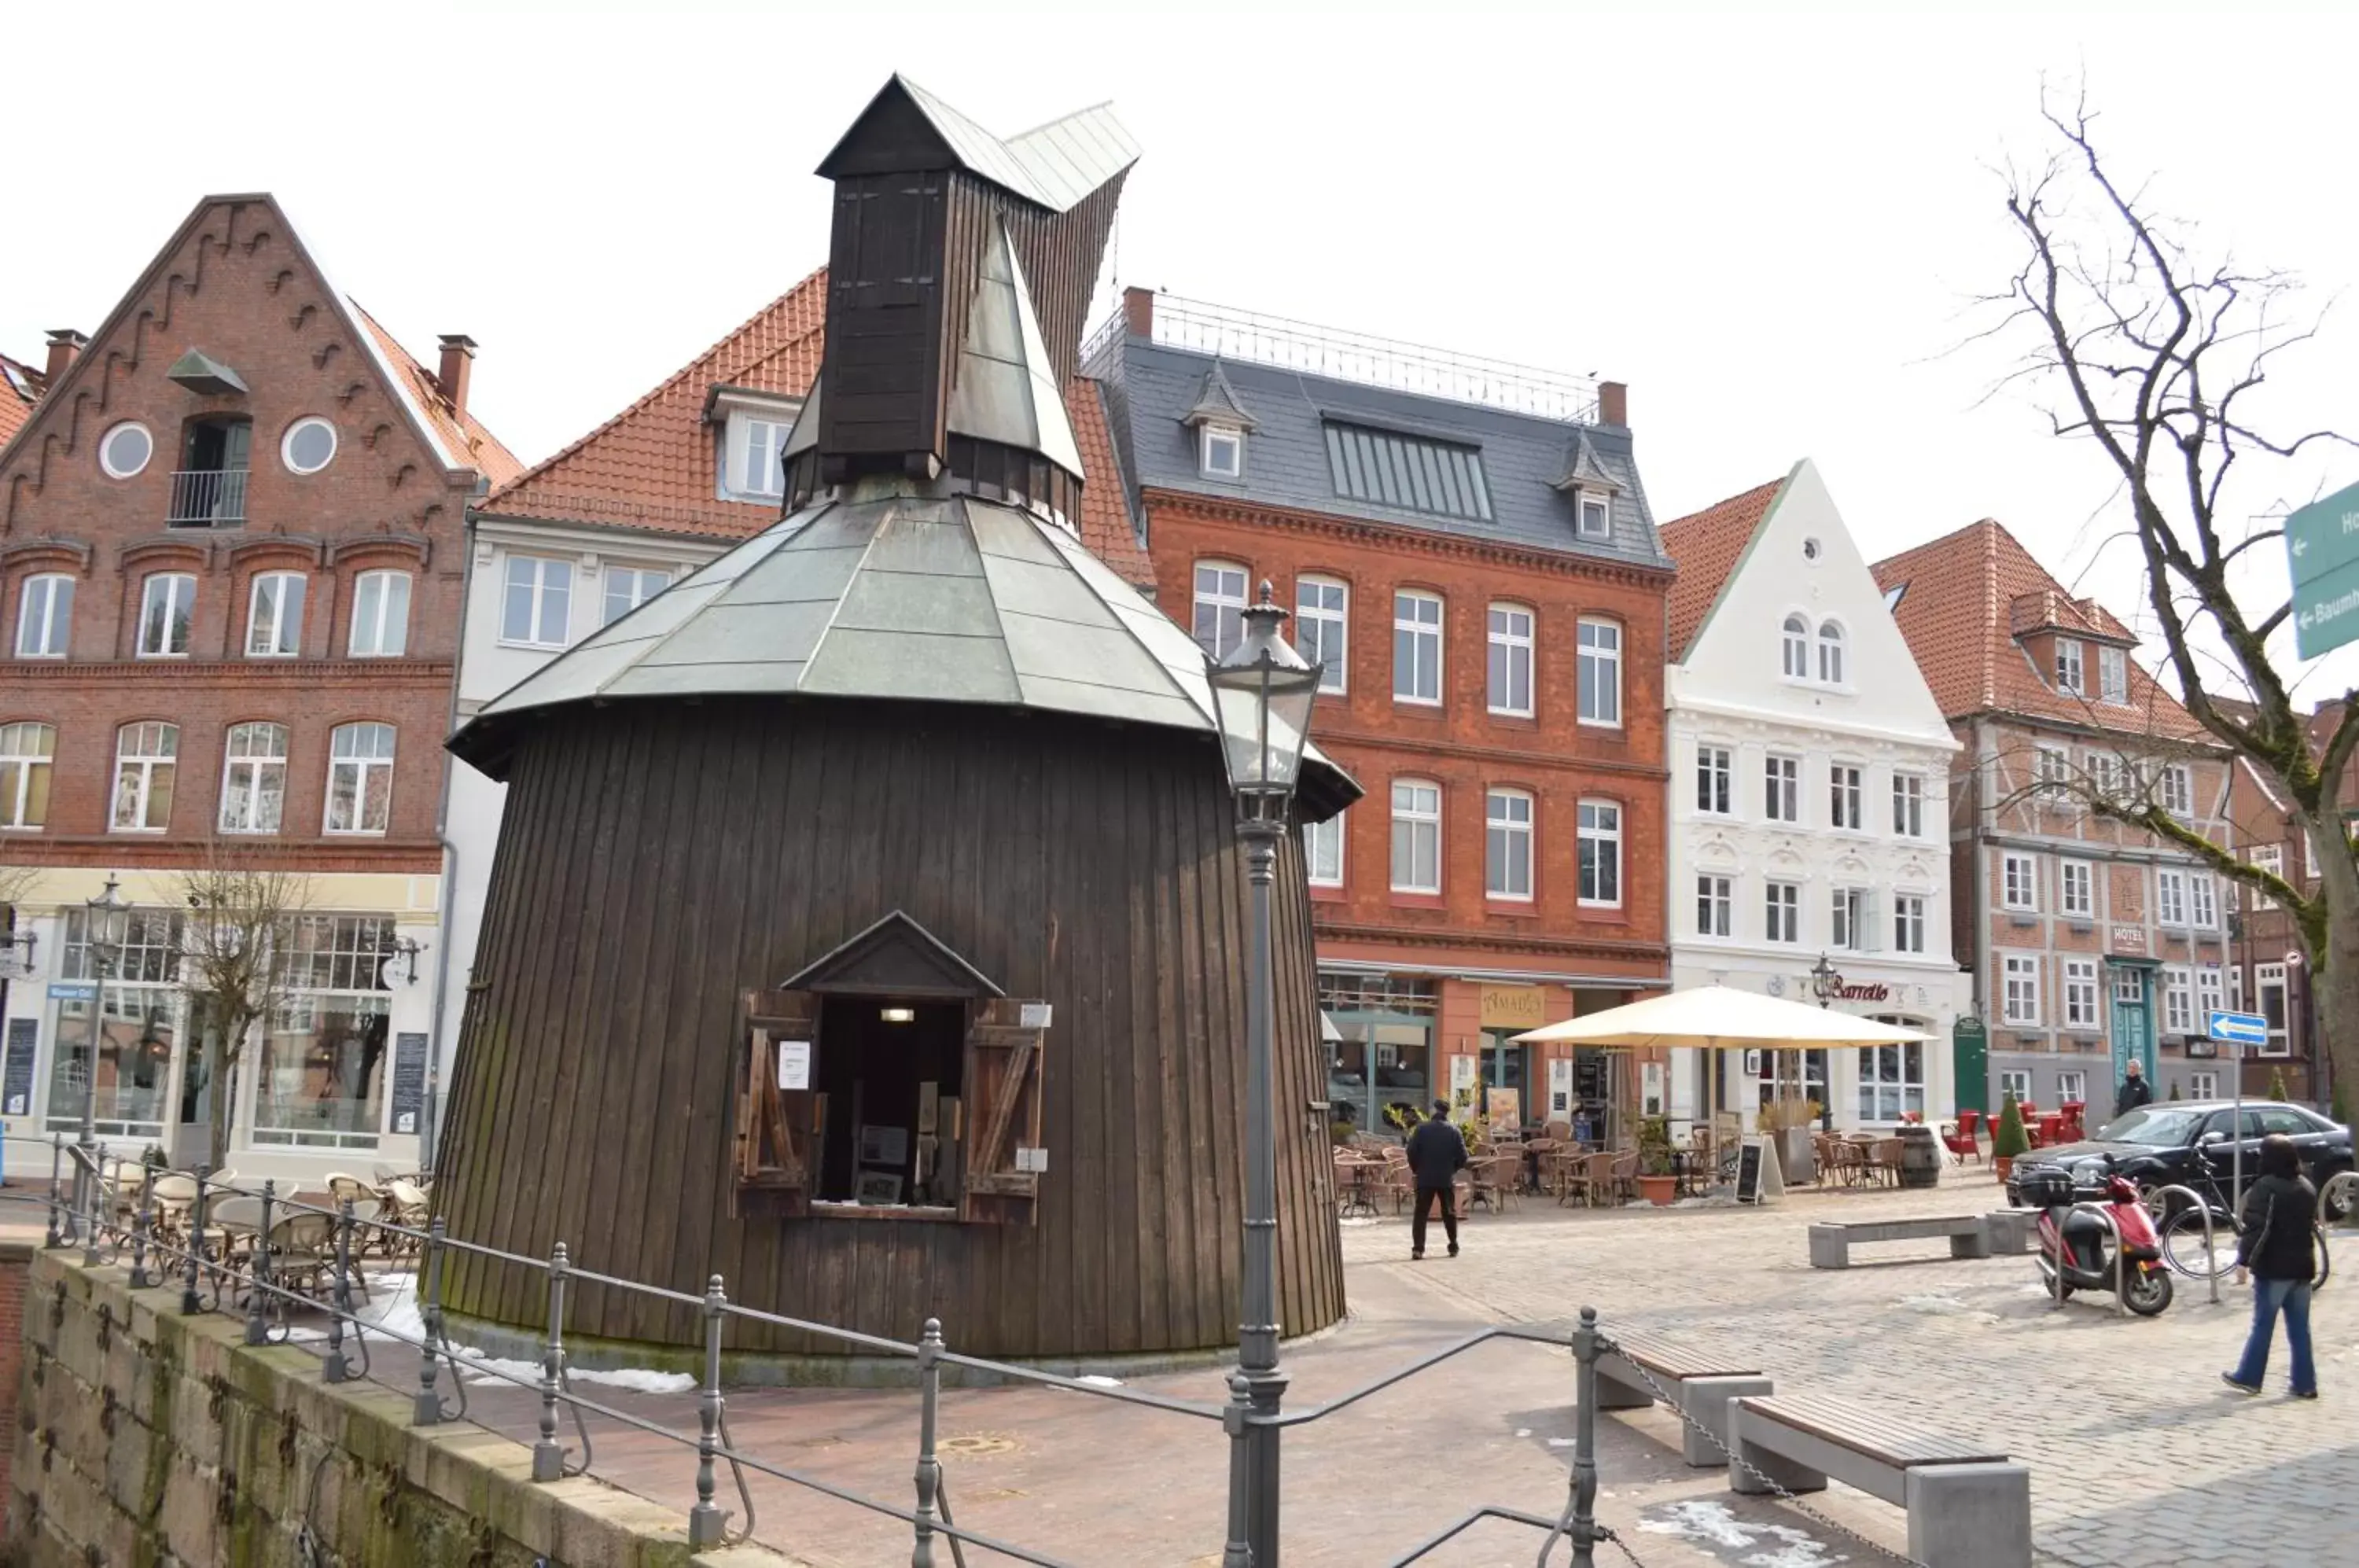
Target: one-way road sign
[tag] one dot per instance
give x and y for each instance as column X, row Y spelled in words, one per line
column 2240, row 1029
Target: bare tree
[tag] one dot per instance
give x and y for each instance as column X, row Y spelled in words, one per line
column 2156, row 353
column 238, row 953
column 15, row 881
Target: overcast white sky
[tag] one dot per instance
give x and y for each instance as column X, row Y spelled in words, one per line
column 1770, row 227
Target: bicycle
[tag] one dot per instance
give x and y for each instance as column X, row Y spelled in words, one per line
column 2182, row 1233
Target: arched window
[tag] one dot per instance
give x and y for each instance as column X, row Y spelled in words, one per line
column 1416, row 836
column 360, row 779
column 45, row 616
column 253, row 778
column 380, row 615
column 146, row 755
column 1507, row 843
column 25, row 752
column 1797, row 649
column 1830, row 653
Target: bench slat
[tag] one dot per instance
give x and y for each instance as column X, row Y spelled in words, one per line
column 1869, row 1434
column 1666, row 1360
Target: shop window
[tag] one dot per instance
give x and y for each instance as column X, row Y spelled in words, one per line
column 319, row 1078
column 130, row 1070
column 1891, row 1082
column 1379, row 1074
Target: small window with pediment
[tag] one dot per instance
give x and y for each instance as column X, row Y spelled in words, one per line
column 1221, row 451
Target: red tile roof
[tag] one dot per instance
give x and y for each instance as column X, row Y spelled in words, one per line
column 1105, row 519
column 1957, row 609
column 468, row 442
column 20, row 388
column 1706, row 546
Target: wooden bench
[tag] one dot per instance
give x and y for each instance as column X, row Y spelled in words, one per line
column 1968, row 1506
column 1700, row 1385
column 1830, row 1243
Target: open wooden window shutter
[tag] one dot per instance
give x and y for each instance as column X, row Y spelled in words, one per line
column 776, row 1147
column 1002, row 1091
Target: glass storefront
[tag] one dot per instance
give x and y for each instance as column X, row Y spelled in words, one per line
column 1385, row 1057
column 320, row 1080
column 130, row 1073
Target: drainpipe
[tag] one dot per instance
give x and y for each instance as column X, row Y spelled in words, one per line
column 429, row 1115
column 1985, row 992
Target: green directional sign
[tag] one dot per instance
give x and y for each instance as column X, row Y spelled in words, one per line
column 2326, row 611
column 2323, row 536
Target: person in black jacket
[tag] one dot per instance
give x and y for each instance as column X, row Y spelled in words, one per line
column 1436, row 1155
column 2135, row 1090
column 2273, row 1241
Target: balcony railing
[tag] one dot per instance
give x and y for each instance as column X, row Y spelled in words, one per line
column 208, row 498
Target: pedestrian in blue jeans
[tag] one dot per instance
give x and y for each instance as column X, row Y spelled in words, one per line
column 2273, row 1242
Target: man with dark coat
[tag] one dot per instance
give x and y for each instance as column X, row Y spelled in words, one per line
column 2135, row 1090
column 1436, row 1155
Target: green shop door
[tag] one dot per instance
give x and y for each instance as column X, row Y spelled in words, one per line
column 1970, row 1057
column 2132, row 1017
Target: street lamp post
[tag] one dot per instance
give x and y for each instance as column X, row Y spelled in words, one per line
column 102, row 940
column 1263, row 691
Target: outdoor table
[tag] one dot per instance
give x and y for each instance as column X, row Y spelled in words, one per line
column 1688, row 1167
column 1359, row 1178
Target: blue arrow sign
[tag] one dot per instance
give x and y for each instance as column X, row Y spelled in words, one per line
column 2240, row 1029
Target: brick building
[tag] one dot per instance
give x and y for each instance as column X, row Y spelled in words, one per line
column 1474, row 560
column 231, row 566
column 20, row 388
column 2090, row 942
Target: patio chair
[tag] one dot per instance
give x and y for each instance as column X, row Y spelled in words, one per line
column 1959, row 1144
column 1884, row 1160
column 1626, row 1174
column 1571, row 1177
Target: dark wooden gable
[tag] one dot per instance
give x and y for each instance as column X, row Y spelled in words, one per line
column 892, row 135
column 895, row 957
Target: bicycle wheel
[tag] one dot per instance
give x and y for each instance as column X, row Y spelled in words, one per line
column 2325, row 1259
column 2183, row 1247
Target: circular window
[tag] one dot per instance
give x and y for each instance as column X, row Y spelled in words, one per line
column 125, row 449
column 308, row 446
column 1809, row 550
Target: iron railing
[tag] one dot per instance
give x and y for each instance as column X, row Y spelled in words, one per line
column 207, row 497
column 87, row 1208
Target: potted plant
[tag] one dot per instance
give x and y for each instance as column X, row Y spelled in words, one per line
column 2010, row 1140
column 1655, row 1183
column 1790, row 1120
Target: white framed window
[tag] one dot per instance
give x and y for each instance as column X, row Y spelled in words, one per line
column 2073, row 1087
column 2076, row 889
column 2268, row 857
column 1416, row 836
column 28, row 750
column 2129, row 988
column 2170, row 896
column 1715, row 781
column 1322, row 852
column 309, row 445
column 2208, row 992
column 45, row 616
column 1321, row 623
column 360, row 779
column 253, row 778
column 2020, row 988
column 1794, row 645
column 2177, row 1000
column 2051, row 769
column 1891, row 1082
column 756, row 457
column 2110, row 776
column 1830, row 653
column 2071, row 668
column 1220, row 606
column 1596, row 517
column 2014, row 1084
column 2202, row 900
column 274, row 616
column 2203, row 1084
column 168, row 602
column 1909, row 923
column 380, row 615
column 1854, row 919
column 125, row 448
column 1843, row 791
column 1714, row 906
column 628, row 587
column 1782, row 907
column 146, row 755
column 1781, row 798
column 2114, row 676
column 1417, row 646
column 2081, row 993
column 1600, row 853
column 2177, row 789
column 2018, row 882
column 1508, row 844
column 1909, row 805
column 1221, row 451
column 2269, row 994
column 1511, row 659
column 538, row 611
column 1601, row 671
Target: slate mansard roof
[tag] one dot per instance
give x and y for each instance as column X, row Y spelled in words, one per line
column 1152, row 388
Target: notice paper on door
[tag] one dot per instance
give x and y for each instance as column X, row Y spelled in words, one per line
column 794, row 1064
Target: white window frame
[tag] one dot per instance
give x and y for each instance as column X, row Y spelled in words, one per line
column 1211, row 437
column 262, row 773
column 105, row 442
column 1716, row 780
column 1507, row 839
column 1218, row 593
column 1846, row 797
column 1715, row 905
column 2177, row 790
column 166, row 599
column 287, row 445
column 1834, row 650
column 2020, row 989
column 1600, row 824
column 1908, row 804
column 268, row 612
column 1582, row 503
column 2268, row 857
column 1508, row 643
column 2051, row 768
column 1421, row 639
column 2071, row 666
column 1781, row 787
column 2018, row 881
column 2209, row 990
column 2114, row 676
column 1794, row 647
column 136, row 767
column 739, row 482
column 44, row 624
column 2202, row 901
column 2109, row 775
column 20, row 760
column 2078, row 901
column 2169, row 896
column 2203, row 1084
column 2082, row 995
column 1781, row 911
column 1323, row 851
column 1598, row 671
column 1909, row 923
column 1891, row 1100
column 2265, row 977
column 1852, row 919
column 364, row 769
column 1331, row 650
column 377, row 624
column 1417, row 825
column 2014, row 1081
column 2178, row 999
column 545, row 578
column 2072, row 1086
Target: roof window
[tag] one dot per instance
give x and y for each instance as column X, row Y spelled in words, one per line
column 1409, row 472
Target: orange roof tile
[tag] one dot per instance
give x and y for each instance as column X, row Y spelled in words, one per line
column 20, row 388
column 469, row 442
column 1706, row 546
column 1105, row 516
column 1957, row 608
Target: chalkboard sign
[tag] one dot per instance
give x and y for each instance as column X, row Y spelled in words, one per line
column 1759, row 1178
column 408, row 1082
column 17, row 1075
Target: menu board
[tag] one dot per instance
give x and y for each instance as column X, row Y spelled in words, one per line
column 408, row 1082
column 16, row 1071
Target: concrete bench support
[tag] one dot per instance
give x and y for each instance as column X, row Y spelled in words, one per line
column 1705, row 1403
column 2010, row 1230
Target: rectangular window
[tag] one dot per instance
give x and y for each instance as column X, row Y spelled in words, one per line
column 2052, row 768
column 2170, row 897
column 1511, row 659
column 756, row 457
column 44, row 616
column 1321, row 614
column 1713, row 901
column 2073, row 1087
column 2203, row 1084
column 320, row 1079
column 2208, row 994
column 167, row 602
column 27, row 752
column 2179, row 789
column 1909, row 923
column 628, row 587
column 1601, row 852
column 145, row 760
column 1416, row 836
column 1219, row 607
column 2018, row 882
column 1908, row 804
column 2109, row 776
column 539, row 604
column 1891, row 1083
column 2070, row 669
column 1715, row 771
column 2202, row 900
column 1596, row 517
column 2129, row 988
column 2268, row 857
column 2076, row 889
column 1221, row 453
column 360, row 779
column 2019, row 999
column 2081, row 993
column 2269, row 1001
column 1417, row 646
column 1601, row 672
column 2015, row 1083
column 1782, row 788
column 1408, row 471
column 1508, row 844
column 2113, row 676
column 274, row 619
column 1844, row 796
column 253, row 778
column 1783, row 906
column 381, row 615
column 1854, row 921
column 1322, row 852
column 2178, row 1001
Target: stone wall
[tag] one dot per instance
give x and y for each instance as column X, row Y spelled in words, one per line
column 150, row 1440
column 16, row 1264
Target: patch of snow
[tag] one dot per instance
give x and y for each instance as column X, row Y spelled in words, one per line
column 1361, row 1220
column 1561, row 1442
column 1099, row 1380
column 1523, row 1432
column 644, row 1379
column 392, row 1305
column 1942, row 1307
column 1780, row 1546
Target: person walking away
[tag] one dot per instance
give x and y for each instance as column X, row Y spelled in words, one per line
column 2273, row 1241
column 1436, row 1155
column 2135, row 1090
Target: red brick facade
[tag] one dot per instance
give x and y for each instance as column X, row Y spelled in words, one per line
column 16, row 1272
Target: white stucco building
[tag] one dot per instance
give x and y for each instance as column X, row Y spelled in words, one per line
column 1809, row 809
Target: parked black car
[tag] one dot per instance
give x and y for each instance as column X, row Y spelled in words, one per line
column 2178, row 1141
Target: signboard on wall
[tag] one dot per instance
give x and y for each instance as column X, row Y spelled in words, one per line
column 1462, row 1075
column 1505, row 1107
column 2130, row 940
column 408, row 1082
column 1514, row 1006
column 17, row 1068
column 1561, row 1089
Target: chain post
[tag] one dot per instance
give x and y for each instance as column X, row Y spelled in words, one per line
column 139, row 1223
column 1238, row 1551
column 191, row 1267
column 929, row 1469
column 426, row 1409
column 548, row 1458
column 708, row 1524
column 258, row 1323
column 1583, row 1534
column 337, row 1369
column 87, row 1160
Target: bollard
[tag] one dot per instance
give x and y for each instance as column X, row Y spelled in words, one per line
column 1238, row 1551
column 190, row 1303
column 929, row 1468
column 426, row 1410
column 1587, row 1343
column 258, row 1323
column 336, row 1370
column 548, row 1459
column 57, row 1236
column 707, row 1524
column 140, row 1220
column 87, row 1160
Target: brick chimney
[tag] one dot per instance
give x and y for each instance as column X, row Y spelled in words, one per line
column 458, row 361
column 1612, row 403
column 65, row 346
column 1138, row 312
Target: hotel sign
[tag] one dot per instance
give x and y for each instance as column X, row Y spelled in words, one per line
column 2130, row 940
column 1514, row 1006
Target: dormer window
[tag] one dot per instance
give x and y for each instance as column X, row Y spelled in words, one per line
column 1596, row 517
column 1221, row 451
column 753, row 431
column 2113, row 675
column 2071, row 666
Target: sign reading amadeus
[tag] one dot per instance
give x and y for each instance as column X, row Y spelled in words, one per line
column 2322, row 553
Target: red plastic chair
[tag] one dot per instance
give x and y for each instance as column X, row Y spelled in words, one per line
column 2051, row 1127
column 1962, row 1142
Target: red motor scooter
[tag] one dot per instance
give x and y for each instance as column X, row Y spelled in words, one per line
column 2082, row 1243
